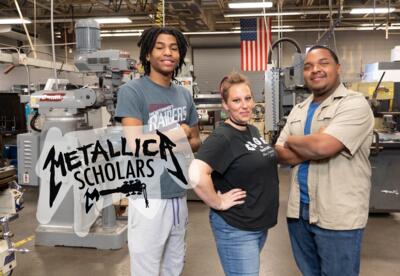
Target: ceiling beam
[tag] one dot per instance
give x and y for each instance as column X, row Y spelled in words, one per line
column 45, row 6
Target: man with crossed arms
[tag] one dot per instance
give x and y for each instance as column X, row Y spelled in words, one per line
column 327, row 140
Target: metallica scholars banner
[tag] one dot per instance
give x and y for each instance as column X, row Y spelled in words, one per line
column 101, row 166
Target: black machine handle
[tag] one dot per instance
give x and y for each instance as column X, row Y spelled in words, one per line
column 375, row 147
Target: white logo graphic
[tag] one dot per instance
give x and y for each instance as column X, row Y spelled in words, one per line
column 105, row 165
column 260, row 145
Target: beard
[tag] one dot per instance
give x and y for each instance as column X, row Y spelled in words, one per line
column 323, row 89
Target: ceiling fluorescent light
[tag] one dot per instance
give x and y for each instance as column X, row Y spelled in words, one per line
column 371, row 10
column 378, row 28
column 262, row 14
column 282, row 27
column 120, row 34
column 113, row 20
column 250, row 5
column 236, row 32
column 14, row 21
column 370, row 25
column 212, row 33
column 376, row 25
column 121, row 31
column 273, row 27
column 282, row 30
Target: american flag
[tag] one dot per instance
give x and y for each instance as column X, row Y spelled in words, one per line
column 255, row 42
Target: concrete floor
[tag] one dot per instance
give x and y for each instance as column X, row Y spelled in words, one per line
column 380, row 251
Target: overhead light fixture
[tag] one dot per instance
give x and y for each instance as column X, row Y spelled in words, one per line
column 282, row 30
column 185, row 33
column 250, row 5
column 232, row 32
column 121, row 31
column 371, row 10
column 5, row 21
column 120, row 34
column 212, row 33
column 113, row 20
column 262, row 14
column 282, row 27
column 378, row 28
column 369, row 25
column 273, row 27
column 312, row 12
column 381, row 24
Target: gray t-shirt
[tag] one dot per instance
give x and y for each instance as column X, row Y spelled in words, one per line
column 157, row 107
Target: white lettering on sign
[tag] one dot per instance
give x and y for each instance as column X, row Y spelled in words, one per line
column 52, row 97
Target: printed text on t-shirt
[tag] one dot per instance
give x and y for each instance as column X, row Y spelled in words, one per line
column 259, row 144
column 166, row 116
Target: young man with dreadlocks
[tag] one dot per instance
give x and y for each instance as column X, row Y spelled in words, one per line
column 157, row 244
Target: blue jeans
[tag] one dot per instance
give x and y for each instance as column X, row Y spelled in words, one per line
column 320, row 251
column 238, row 250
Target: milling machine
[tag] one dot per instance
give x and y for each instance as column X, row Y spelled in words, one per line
column 382, row 87
column 68, row 110
column 284, row 88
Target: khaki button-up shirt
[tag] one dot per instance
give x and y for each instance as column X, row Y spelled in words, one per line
column 339, row 186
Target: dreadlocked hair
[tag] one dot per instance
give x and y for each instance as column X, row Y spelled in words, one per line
column 147, row 42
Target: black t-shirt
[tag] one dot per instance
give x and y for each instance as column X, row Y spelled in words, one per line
column 242, row 159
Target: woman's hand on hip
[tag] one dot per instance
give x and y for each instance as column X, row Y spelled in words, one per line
column 231, row 198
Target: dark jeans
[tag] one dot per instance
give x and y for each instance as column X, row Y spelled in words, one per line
column 238, row 250
column 320, row 251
